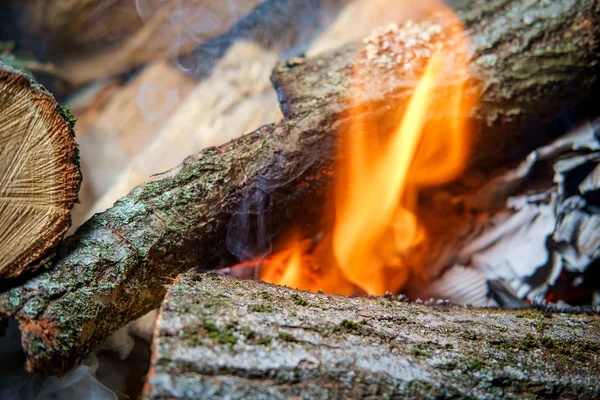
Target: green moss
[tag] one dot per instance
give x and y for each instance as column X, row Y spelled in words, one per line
column 223, row 336
column 299, row 301
column 528, row 343
column 549, row 343
column 350, row 326
column 541, row 326
column 264, row 340
column 502, row 344
column 261, row 308
column 265, row 295
column 69, row 117
column 449, row 366
column 248, row 333
column 526, row 314
column 473, row 365
column 418, row 352
column 591, row 346
column 287, row 337
column 194, row 340
column 502, row 329
column 385, row 304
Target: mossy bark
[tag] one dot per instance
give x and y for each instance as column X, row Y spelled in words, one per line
column 529, row 60
column 115, row 267
column 221, row 337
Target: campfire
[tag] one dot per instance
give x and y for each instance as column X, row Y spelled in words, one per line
column 405, row 207
column 377, row 241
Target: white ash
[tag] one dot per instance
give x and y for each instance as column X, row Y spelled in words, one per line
column 406, row 46
column 537, row 234
column 472, row 288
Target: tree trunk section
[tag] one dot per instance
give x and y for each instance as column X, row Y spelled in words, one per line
column 227, row 202
column 39, row 171
column 221, row 337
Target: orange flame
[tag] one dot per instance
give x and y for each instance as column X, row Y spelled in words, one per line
column 377, row 241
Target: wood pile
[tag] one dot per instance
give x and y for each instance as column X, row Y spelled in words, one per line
column 259, row 138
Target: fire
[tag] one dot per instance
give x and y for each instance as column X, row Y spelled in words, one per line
column 378, row 242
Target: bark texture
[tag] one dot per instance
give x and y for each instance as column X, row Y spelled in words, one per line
column 39, row 171
column 221, row 337
column 228, row 202
column 523, row 54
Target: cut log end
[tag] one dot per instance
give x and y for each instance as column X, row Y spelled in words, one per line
column 39, row 170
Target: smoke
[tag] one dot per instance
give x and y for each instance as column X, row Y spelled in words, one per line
column 105, row 375
column 17, row 383
column 247, row 233
column 156, row 102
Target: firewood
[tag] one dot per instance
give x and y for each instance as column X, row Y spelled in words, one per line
column 220, row 337
column 39, row 170
column 237, row 95
column 233, row 91
column 113, row 269
column 93, row 39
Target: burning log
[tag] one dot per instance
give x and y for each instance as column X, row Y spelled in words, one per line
column 217, row 336
column 113, row 269
column 39, row 170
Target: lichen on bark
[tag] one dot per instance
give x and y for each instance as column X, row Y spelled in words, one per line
column 213, row 338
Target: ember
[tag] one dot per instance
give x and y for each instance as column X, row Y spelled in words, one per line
column 377, row 241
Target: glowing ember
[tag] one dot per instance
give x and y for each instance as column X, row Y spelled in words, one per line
column 377, row 242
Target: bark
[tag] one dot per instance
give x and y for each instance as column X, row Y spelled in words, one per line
column 522, row 54
column 237, row 95
column 39, row 170
column 221, row 337
column 195, row 216
column 233, row 90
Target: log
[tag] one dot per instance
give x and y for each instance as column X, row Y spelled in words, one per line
column 237, row 95
column 512, row 47
column 233, row 90
column 39, row 171
column 112, row 270
column 92, row 39
column 221, row 337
